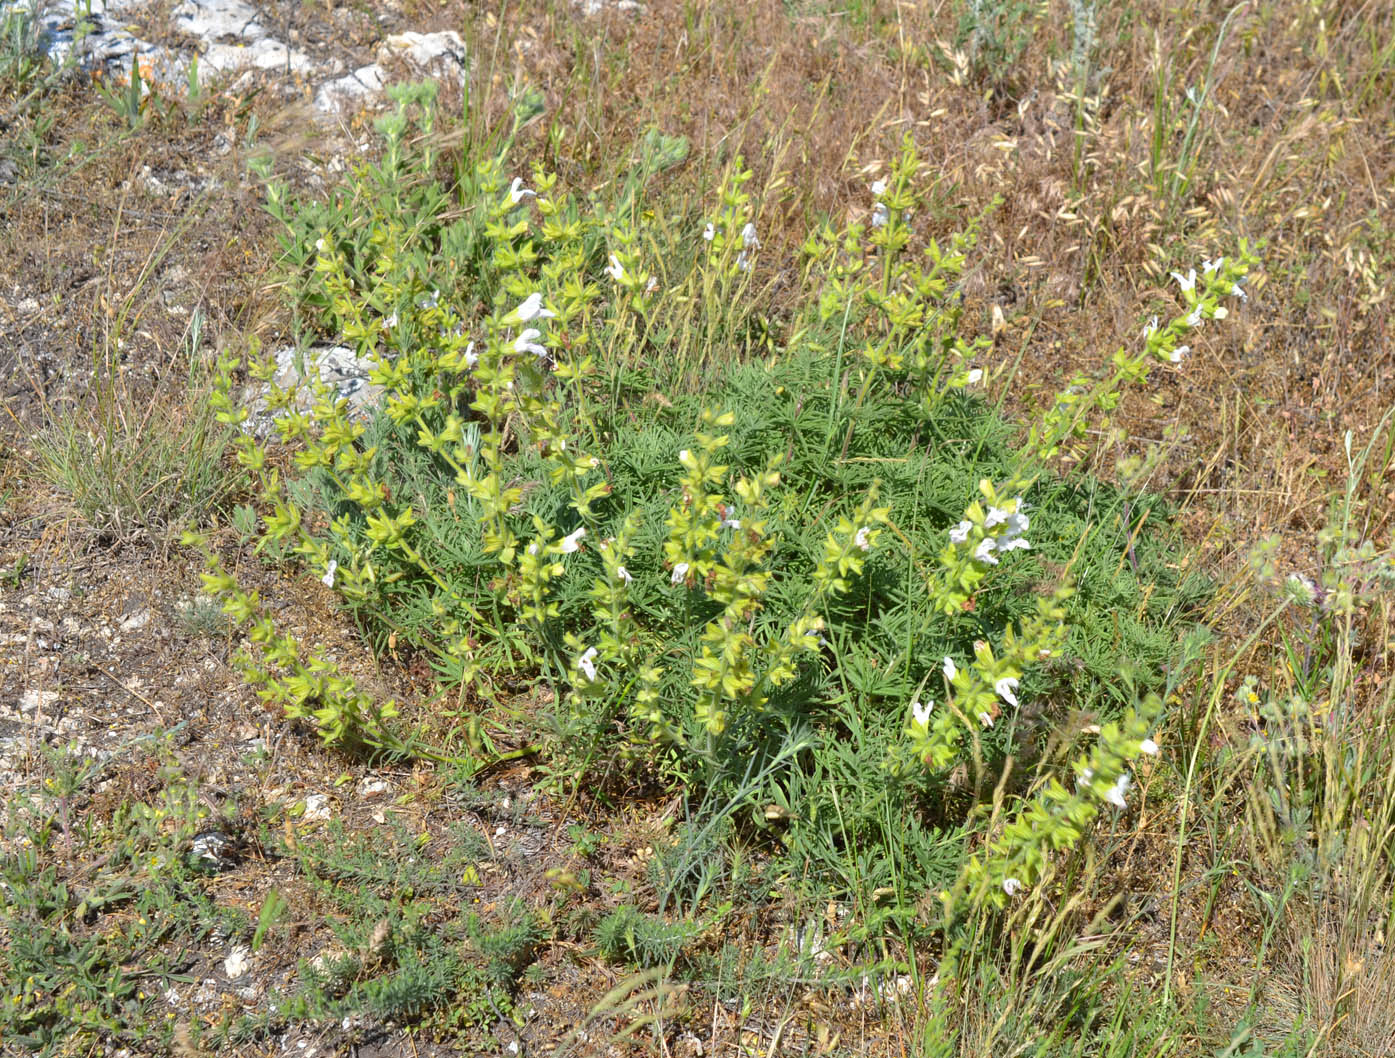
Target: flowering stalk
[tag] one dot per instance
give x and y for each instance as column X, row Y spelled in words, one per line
column 977, row 691
column 726, row 555
column 1066, row 420
column 896, row 308
column 977, row 544
column 1056, row 819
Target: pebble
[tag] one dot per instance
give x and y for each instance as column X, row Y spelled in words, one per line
column 373, row 787
column 34, row 700
column 238, row 962
column 316, row 808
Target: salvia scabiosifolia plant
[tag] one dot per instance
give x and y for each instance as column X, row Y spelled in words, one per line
column 600, row 465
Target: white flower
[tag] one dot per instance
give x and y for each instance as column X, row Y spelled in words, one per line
column 984, row 551
column 1011, row 886
column 861, row 539
column 878, row 187
column 320, row 244
column 986, row 719
column 391, row 321
column 880, row 215
column 1115, row 794
column 731, row 523
column 960, row 533
column 709, row 233
column 996, row 516
column 532, row 309
column 1007, row 688
column 572, row 542
column 328, row 578
column 429, row 301
column 1085, row 778
column 684, row 456
column 527, row 342
column 651, row 285
column 975, row 375
column 743, row 263
column 951, row 669
column 748, row 237
column 1149, row 747
column 615, row 269
column 1011, row 539
column 517, row 192
column 1151, row 329
column 532, row 549
column 920, row 712
column 1194, row 318
column 1239, row 291
column 1207, row 267
column 679, row 572
column 1186, row 282
column 1176, row 355
column 624, row 574
column 586, row 663
column 471, row 357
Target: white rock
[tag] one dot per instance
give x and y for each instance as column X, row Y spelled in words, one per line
column 316, row 807
column 373, row 787
column 263, row 54
column 351, row 91
column 31, row 701
column 214, row 19
column 238, row 962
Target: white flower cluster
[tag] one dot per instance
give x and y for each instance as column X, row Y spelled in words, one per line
column 1198, row 313
column 1009, row 522
column 1115, row 794
column 750, row 243
column 528, row 339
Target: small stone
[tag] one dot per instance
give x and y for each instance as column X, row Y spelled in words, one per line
column 351, row 91
column 238, row 962
column 31, row 701
column 316, row 808
column 136, row 621
column 373, row 787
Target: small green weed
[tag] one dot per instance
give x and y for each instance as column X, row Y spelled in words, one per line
column 87, row 954
column 410, row 942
